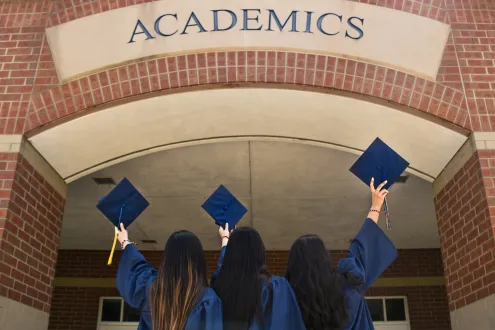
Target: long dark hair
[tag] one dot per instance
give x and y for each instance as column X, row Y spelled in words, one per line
column 180, row 280
column 318, row 287
column 241, row 279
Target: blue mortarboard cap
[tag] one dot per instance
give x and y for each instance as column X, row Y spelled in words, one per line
column 123, row 204
column 224, row 208
column 381, row 162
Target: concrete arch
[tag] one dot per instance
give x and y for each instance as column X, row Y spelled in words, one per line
column 173, row 120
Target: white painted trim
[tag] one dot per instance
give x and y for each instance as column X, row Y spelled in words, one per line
column 100, row 311
column 406, row 307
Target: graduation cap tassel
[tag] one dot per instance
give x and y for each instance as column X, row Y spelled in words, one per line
column 110, row 258
column 387, row 216
column 113, row 247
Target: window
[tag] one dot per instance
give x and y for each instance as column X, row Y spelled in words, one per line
column 388, row 309
column 115, row 310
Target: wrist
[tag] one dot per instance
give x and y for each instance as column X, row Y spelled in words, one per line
column 377, row 207
column 225, row 241
column 125, row 243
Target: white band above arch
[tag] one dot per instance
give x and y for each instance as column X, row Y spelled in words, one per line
column 375, row 34
column 106, row 137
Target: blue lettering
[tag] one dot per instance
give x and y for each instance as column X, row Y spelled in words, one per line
column 143, row 30
column 352, row 25
column 320, row 22
column 196, row 23
column 157, row 25
column 308, row 21
column 246, row 19
column 233, row 21
column 293, row 16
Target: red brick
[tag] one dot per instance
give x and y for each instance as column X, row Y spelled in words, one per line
column 19, row 248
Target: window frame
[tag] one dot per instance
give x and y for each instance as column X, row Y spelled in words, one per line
column 113, row 323
column 383, row 298
column 407, row 321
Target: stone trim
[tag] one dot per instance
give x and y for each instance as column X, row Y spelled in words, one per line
column 16, row 316
column 479, row 315
column 476, row 141
column 16, row 143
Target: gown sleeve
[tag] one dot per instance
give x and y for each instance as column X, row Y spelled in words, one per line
column 133, row 274
column 219, row 265
column 207, row 315
column 285, row 313
column 370, row 253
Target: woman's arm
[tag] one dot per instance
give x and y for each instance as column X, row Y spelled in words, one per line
column 378, row 196
column 133, row 273
column 371, row 252
column 224, row 235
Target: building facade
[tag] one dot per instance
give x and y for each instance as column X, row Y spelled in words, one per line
column 275, row 100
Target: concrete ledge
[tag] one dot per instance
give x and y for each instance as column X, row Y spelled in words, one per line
column 17, row 144
column 455, row 164
column 479, row 315
column 385, row 282
column 17, row 316
column 476, row 141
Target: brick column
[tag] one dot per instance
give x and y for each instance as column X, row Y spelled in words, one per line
column 465, row 205
column 32, row 198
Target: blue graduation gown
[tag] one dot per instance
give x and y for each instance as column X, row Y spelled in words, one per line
column 285, row 313
column 134, row 278
column 370, row 253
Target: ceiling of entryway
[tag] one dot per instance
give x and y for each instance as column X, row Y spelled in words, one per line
column 289, row 188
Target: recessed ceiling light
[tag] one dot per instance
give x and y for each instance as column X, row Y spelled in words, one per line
column 104, row 181
column 402, row 179
column 148, row 241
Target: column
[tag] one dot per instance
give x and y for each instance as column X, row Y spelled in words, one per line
column 32, row 199
column 465, row 207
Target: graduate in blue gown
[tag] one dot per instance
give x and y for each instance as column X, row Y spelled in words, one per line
column 176, row 296
column 335, row 298
column 252, row 298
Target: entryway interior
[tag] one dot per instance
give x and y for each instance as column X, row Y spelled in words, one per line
column 290, row 188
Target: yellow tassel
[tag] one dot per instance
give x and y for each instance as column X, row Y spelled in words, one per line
column 113, row 246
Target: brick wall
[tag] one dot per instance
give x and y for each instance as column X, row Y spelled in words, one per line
column 76, row 308
column 73, row 263
column 242, row 67
column 465, row 213
column 427, row 305
column 30, row 221
column 469, row 58
column 26, row 66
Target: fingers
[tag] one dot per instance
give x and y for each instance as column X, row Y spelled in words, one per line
column 372, row 185
column 227, row 227
column 383, row 193
column 122, row 227
column 381, row 186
